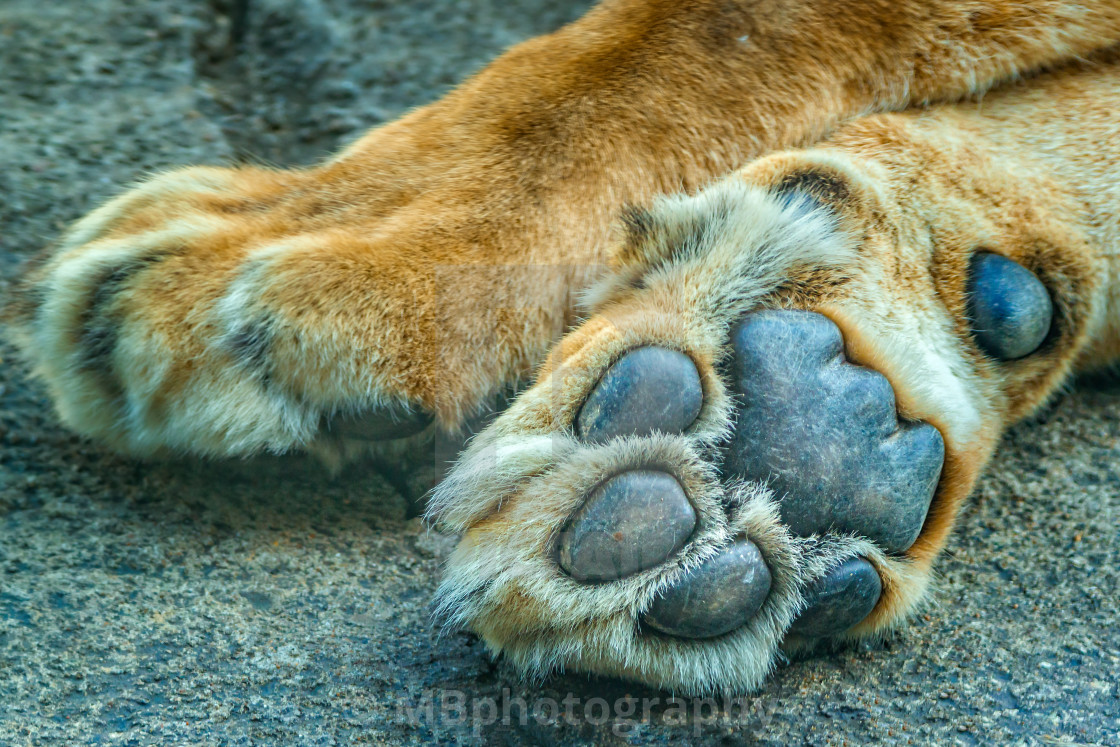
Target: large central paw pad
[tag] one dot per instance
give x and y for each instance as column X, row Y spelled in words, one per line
column 824, row 433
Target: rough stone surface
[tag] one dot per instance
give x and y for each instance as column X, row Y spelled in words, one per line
column 631, row 522
column 718, row 596
column 1009, row 308
column 839, row 599
column 648, row 389
column 265, row 602
column 823, row 433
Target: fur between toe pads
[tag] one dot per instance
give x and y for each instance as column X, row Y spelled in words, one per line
column 722, row 250
column 503, row 581
column 691, row 268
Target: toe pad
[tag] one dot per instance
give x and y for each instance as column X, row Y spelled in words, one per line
column 839, row 600
column 648, row 389
column 720, row 595
column 633, row 521
column 1008, row 307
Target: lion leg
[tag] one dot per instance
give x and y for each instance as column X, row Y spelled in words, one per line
column 226, row 311
column 762, row 436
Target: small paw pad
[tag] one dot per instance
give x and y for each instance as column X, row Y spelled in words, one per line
column 1008, row 307
column 840, row 599
column 649, row 389
column 631, row 522
column 721, row 594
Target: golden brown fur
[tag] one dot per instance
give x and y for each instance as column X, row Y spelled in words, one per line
column 525, row 165
column 435, row 261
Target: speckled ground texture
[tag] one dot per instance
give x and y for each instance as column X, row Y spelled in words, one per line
column 265, row 602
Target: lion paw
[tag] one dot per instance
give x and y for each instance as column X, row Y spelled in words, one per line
column 702, row 476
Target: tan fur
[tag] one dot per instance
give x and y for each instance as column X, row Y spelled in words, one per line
column 434, row 261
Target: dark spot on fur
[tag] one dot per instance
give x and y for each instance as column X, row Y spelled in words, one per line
column 672, row 240
column 700, row 231
column 28, row 295
column 249, row 345
column 819, row 186
column 809, row 289
column 238, row 21
column 241, row 207
column 99, row 322
column 692, row 237
column 638, row 222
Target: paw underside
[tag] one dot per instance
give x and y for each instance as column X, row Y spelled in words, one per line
column 719, row 482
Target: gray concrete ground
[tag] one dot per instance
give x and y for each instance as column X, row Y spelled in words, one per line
column 265, row 602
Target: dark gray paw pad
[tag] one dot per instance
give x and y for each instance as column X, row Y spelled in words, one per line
column 633, row 521
column 839, row 600
column 1008, row 307
column 717, row 597
column 380, row 424
column 824, row 433
column 649, row 389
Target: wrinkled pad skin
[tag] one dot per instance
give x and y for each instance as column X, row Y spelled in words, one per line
column 633, row 521
column 649, row 389
column 839, row 600
column 824, row 435
column 718, row 596
column 1009, row 309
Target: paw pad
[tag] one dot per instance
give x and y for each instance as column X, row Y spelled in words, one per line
column 839, row 600
column 824, row 435
column 636, row 546
column 1008, row 307
column 631, row 522
column 718, row 596
column 648, row 389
